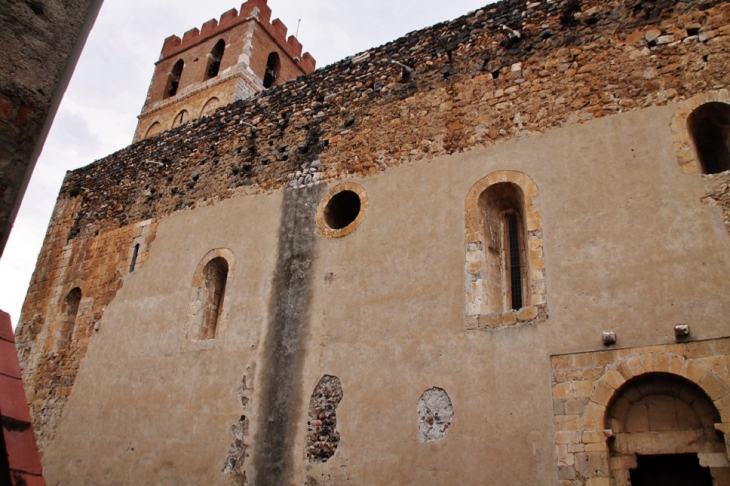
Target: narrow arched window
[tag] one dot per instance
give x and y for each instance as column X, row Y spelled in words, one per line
column 709, row 127
column 135, row 254
column 209, row 299
column 67, row 319
column 173, row 79
column 214, row 59
column 273, row 64
column 504, row 263
column 502, row 211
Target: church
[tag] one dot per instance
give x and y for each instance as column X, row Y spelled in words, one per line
column 494, row 251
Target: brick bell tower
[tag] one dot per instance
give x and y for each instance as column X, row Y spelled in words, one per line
column 224, row 61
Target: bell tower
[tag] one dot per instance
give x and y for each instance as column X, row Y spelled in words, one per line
column 226, row 60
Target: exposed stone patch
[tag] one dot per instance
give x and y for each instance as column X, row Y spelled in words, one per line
column 435, row 414
column 322, row 436
column 237, row 454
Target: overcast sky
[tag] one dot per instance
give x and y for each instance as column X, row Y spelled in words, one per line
column 98, row 114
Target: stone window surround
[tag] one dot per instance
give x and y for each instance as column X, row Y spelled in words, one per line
column 683, row 144
column 476, row 318
column 324, row 229
column 196, row 284
column 56, row 342
column 585, row 433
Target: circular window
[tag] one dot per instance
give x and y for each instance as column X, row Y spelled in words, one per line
column 341, row 210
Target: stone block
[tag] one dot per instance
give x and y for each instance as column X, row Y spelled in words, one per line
column 602, row 393
column 563, row 390
column 594, row 416
column 527, row 313
column 659, row 362
column 583, row 388
column 694, row 371
column 591, row 464
column 714, row 386
column 594, row 437
column 623, row 462
column 676, row 365
column 636, row 365
column 713, row 459
column 575, row 405
column 567, row 437
column 564, row 457
column 598, row 482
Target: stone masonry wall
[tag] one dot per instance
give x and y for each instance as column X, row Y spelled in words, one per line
column 363, row 117
column 248, row 46
column 585, row 384
column 38, row 39
column 508, row 70
column 96, row 266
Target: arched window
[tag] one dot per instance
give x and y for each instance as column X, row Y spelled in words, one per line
column 173, row 79
column 709, row 128
column 505, row 270
column 502, row 207
column 67, row 319
column 273, row 64
column 214, row 59
column 208, row 295
column 181, row 118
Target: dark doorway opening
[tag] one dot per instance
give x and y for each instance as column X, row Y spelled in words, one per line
column 709, row 126
column 670, row 470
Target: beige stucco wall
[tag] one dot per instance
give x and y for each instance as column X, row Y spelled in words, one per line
column 628, row 247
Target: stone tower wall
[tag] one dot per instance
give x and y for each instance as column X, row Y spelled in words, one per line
column 250, row 37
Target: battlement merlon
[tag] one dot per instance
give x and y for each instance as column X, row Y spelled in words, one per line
column 252, row 9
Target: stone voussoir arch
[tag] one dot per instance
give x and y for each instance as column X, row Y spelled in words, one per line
column 224, row 253
column 637, row 365
column 198, row 283
column 683, row 144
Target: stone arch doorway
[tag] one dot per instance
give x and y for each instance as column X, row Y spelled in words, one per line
column 663, row 433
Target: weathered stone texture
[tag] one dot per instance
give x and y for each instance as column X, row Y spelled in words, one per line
column 37, row 40
column 96, row 266
column 322, row 435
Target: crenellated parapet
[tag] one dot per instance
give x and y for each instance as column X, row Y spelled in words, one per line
column 252, row 9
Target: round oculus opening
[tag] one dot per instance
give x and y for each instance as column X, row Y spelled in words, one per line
column 342, row 209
